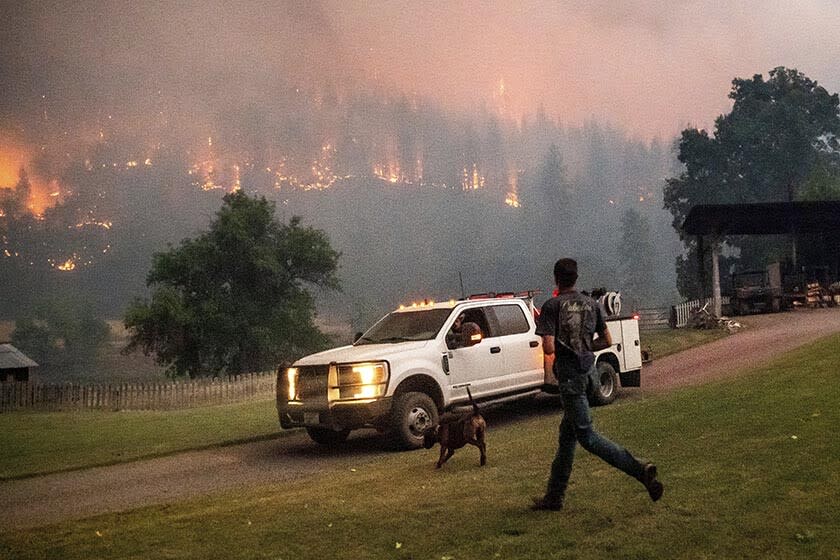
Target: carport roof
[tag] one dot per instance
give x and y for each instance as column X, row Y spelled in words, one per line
column 766, row 218
column 12, row 358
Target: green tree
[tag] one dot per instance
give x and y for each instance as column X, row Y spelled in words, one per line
column 236, row 298
column 823, row 183
column 766, row 149
column 61, row 334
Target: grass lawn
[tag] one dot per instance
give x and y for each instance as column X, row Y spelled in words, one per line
column 38, row 442
column 664, row 342
column 751, row 470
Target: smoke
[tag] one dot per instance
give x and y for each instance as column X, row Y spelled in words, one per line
column 647, row 66
column 113, row 82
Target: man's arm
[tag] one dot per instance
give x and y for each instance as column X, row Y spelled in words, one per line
column 547, row 326
column 548, row 344
column 605, row 334
column 604, row 339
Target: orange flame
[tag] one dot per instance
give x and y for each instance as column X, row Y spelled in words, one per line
column 15, row 157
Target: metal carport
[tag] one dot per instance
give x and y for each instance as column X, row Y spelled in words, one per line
column 768, row 218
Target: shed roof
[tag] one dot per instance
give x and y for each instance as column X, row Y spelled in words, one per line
column 12, row 358
column 766, row 218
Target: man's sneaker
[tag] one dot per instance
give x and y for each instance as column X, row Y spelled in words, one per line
column 544, row 503
column 654, row 487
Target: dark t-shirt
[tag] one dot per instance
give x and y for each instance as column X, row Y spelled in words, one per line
column 572, row 318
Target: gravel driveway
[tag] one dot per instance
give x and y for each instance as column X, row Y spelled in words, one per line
column 52, row 498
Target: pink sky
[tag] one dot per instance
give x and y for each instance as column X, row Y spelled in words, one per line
column 650, row 66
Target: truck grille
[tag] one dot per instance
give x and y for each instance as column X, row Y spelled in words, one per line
column 312, row 382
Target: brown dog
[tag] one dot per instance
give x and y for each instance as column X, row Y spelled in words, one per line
column 454, row 431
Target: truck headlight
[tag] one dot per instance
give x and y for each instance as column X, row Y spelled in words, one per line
column 292, row 383
column 362, row 381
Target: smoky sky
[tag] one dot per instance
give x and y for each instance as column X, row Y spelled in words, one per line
column 650, row 67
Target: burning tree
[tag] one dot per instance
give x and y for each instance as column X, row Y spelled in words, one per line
column 235, row 299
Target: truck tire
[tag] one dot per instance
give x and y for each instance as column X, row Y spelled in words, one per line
column 607, row 389
column 411, row 414
column 326, row 436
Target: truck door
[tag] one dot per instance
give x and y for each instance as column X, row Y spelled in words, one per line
column 476, row 365
column 520, row 348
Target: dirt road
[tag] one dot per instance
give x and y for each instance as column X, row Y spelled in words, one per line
column 766, row 337
column 53, row 498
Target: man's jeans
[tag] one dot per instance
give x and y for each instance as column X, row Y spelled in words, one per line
column 575, row 427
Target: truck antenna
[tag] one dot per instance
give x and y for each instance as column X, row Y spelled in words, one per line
column 461, row 281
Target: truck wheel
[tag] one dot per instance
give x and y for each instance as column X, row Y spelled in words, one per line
column 607, row 390
column 326, row 436
column 411, row 414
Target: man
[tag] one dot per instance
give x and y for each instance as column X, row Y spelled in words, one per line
column 567, row 324
column 453, row 337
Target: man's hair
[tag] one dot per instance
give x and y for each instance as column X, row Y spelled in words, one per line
column 565, row 273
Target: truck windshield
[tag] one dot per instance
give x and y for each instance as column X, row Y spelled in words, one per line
column 405, row 326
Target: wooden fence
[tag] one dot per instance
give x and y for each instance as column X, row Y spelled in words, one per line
column 137, row 396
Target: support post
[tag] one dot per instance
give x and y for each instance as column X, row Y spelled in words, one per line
column 716, row 276
column 701, row 266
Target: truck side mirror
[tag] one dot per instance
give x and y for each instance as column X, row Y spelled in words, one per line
column 470, row 335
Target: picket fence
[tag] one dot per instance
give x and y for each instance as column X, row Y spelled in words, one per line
column 136, row 396
column 680, row 313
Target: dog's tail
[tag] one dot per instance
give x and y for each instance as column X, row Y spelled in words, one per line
column 472, row 402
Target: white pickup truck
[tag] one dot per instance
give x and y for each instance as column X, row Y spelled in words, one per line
column 405, row 370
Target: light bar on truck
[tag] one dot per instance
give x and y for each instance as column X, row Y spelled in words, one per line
column 423, row 304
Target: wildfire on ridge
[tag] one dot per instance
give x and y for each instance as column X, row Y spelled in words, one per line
column 389, row 172
column 15, row 159
column 512, row 196
column 66, row 266
column 393, row 172
column 322, row 176
column 90, row 221
column 11, row 161
column 472, row 181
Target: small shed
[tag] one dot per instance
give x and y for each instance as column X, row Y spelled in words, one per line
column 14, row 364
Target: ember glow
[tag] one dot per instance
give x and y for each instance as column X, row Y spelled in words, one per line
column 68, row 265
column 472, row 180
